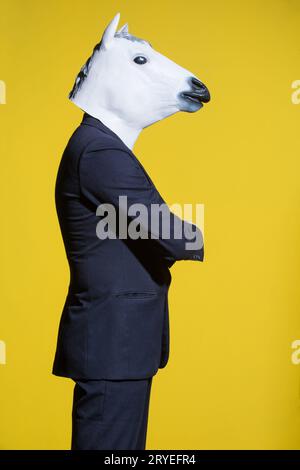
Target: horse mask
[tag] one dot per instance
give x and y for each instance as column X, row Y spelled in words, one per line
column 127, row 80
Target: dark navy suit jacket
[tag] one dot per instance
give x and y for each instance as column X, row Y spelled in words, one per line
column 115, row 321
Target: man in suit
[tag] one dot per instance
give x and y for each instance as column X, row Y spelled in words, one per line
column 114, row 329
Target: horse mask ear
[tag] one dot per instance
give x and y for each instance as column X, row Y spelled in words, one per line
column 124, row 29
column 109, row 32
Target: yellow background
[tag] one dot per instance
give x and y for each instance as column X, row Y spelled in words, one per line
column 230, row 382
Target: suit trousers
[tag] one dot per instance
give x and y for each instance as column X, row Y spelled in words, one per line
column 110, row 414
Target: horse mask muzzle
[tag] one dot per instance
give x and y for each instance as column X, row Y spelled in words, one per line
column 195, row 97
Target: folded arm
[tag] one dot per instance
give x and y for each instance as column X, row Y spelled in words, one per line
column 107, row 174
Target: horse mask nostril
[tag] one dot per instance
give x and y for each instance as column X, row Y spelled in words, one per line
column 200, row 88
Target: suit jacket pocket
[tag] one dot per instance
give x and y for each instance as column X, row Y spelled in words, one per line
column 142, row 315
column 125, row 332
column 127, row 294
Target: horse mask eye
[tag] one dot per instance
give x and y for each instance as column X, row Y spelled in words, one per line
column 140, row 59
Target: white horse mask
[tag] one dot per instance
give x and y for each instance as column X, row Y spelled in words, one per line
column 129, row 86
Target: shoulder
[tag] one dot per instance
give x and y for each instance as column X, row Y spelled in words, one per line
column 86, row 138
column 111, row 163
column 108, row 157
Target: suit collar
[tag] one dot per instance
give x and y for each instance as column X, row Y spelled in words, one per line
column 95, row 122
column 89, row 120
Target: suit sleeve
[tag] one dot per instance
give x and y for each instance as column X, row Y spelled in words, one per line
column 107, row 174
